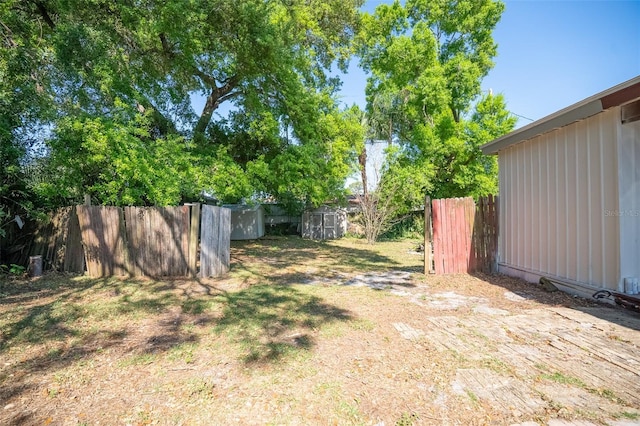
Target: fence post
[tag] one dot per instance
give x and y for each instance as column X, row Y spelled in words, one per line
column 428, row 237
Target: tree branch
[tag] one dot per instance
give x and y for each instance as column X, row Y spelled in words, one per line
column 219, row 93
column 215, row 98
column 8, row 36
column 42, row 10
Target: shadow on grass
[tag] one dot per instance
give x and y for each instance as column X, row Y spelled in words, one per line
column 272, row 322
column 295, row 250
column 61, row 322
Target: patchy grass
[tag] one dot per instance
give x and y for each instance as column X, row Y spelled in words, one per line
column 563, row 379
column 628, row 416
column 285, row 338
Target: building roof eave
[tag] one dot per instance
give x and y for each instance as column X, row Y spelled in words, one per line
column 614, row 96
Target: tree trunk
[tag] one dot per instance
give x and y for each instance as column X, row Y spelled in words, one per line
column 215, row 98
column 362, row 160
column 207, row 112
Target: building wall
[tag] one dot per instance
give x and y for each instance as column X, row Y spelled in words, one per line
column 629, row 210
column 324, row 223
column 247, row 222
column 557, row 192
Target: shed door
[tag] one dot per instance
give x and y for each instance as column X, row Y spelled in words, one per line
column 316, row 226
column 330, row 226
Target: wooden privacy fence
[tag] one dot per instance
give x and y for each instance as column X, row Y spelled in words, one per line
column 214, row 241
column 460, row 235
column 136, row 241
column 57, row 239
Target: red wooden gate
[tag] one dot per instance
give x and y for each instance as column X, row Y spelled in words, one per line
column 460, row 236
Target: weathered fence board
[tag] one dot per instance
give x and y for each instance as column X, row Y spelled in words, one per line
column 57, row 239
column 463, row 236
column 74, row 253
column 49, row 239
column 194, row 239
column 428, row 237
column 102, row 229
column 137, row 241
column 215, row 239
column 157, row 240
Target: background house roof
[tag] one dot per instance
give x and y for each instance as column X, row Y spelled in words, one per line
column 617, row 95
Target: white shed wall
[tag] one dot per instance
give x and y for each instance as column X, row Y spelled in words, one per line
column 629, row 210
column 554, row 192
column 247, row 222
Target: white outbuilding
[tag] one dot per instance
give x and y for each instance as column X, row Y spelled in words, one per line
column 324, row 223
column 569, row 202
column 247, row 221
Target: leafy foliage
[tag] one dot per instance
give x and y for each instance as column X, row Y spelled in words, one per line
column 106, row 88
column 427, row 60
column 399, row 193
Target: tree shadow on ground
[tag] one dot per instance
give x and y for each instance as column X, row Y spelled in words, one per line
column 61, row 322
column 272, row 322
column 293, row 260
column 58, row 321
column 294, row 250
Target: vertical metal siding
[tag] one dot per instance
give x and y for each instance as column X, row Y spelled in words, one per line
column 582, row 197
column 554, row 191
column 629, row 162
column 609, row 127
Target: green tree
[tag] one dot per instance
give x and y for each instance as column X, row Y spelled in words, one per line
column 90, row 60
column 159, row 54
column 24, row 104
column 427, row 59
column 117, row 161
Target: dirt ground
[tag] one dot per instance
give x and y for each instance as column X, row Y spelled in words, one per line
column 302, row 332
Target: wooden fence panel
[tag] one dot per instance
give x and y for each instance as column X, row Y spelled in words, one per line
column 135, row 241
column 487, row 230
column 158, row 240
column 463, row 236
column 194, row 239
column 48, row 239
column 103, row 233
column 215, row 241
column 74, row 253
column 56, row 239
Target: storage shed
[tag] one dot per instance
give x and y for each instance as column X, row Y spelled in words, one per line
column 569, row 205
column 278, row 220
column 324, row 223
column 247, row 221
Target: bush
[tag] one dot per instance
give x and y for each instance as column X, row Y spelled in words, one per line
column 410, row 227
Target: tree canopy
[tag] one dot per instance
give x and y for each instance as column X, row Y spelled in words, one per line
column 97, row 97
column 117, row 80
column 426, row 61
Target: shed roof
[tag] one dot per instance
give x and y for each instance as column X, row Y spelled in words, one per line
column 242, row 207
column 617, row 95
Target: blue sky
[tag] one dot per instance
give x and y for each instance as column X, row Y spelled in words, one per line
column 551, row 54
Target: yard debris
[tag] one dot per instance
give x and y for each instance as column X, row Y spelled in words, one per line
column 514, row 297
column 547, row 285
column 624, row 300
